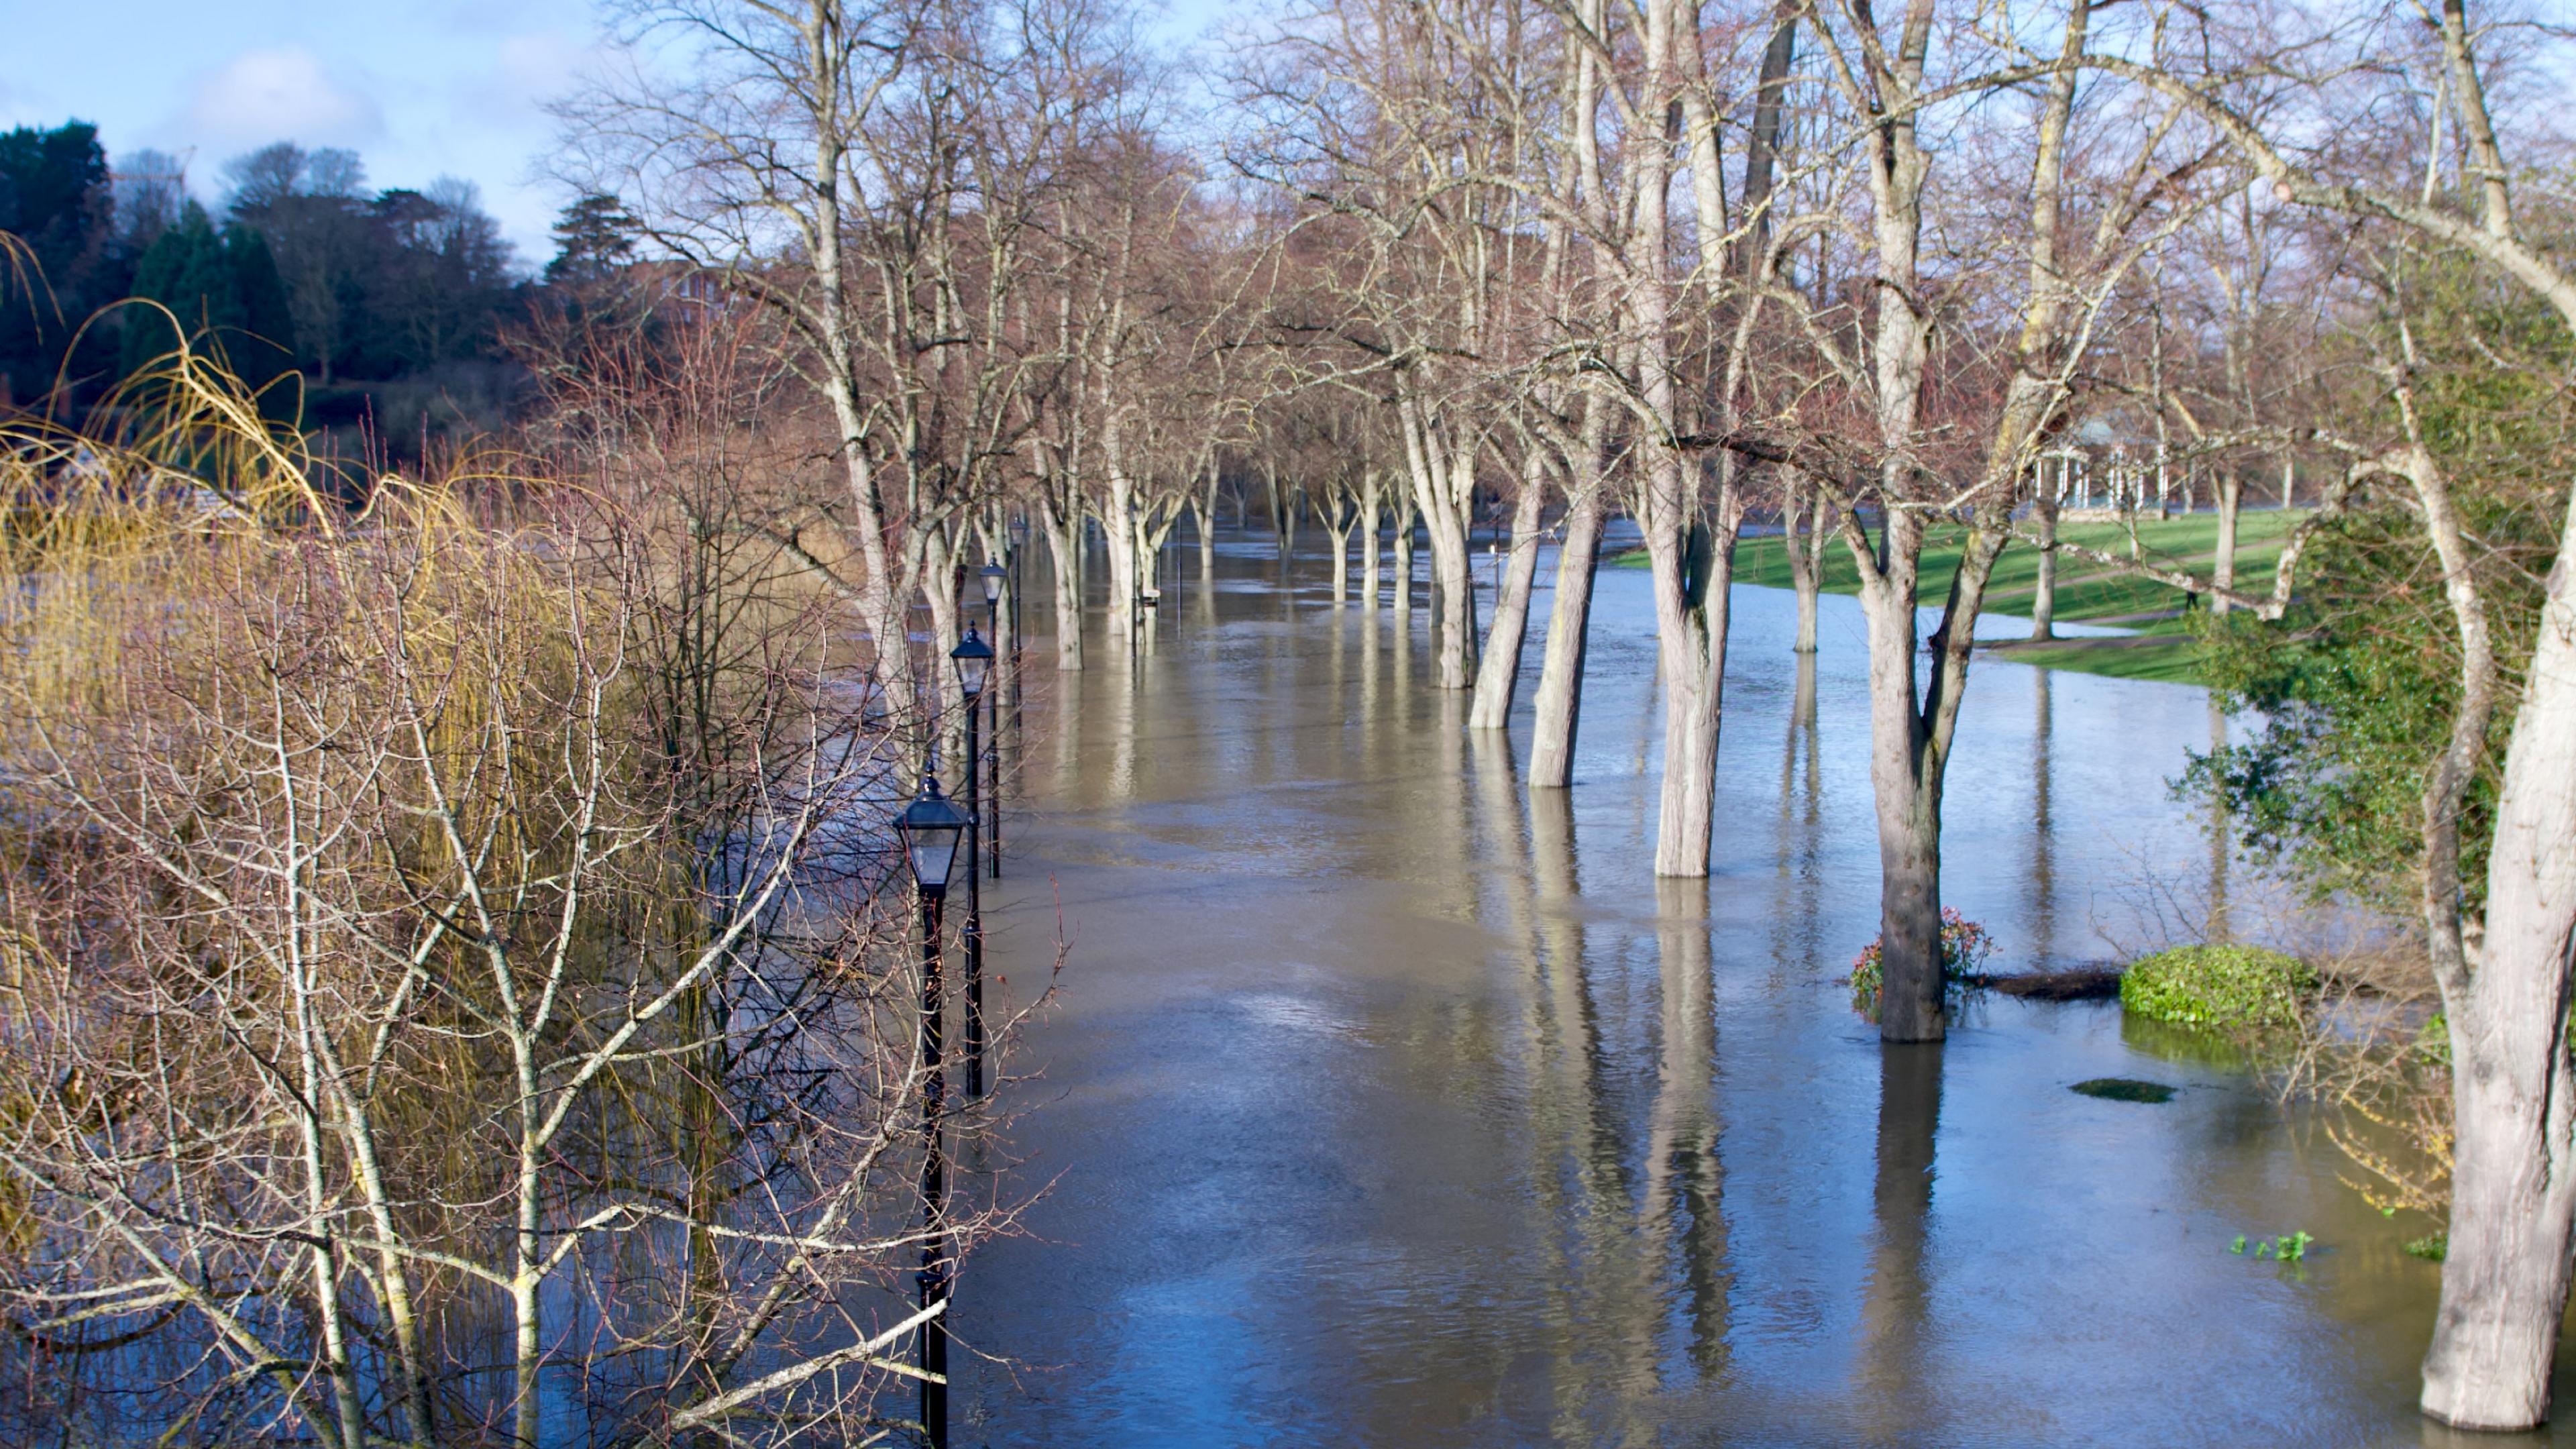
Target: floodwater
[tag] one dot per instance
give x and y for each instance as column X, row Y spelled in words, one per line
column 1387, row 1102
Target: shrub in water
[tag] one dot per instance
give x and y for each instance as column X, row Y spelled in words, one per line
column 2220, row 986
column 1964, row 947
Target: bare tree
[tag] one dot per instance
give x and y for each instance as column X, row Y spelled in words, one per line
column 871, row 176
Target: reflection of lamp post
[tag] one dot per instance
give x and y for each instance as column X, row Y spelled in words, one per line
column 993, row 574
column 929, row 828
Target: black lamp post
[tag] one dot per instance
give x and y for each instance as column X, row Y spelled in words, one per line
column 993, row 574
column 974, row 660
column 929, row 828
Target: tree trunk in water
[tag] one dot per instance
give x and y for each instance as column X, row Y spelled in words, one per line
column 1064, row 547
column 1148, row 555
column 1501, row 672
column 1403, row 602
column 1457, row 609
column 2043, row 599
column 939, row 589
column 1806, row 562
column 1694, row 694
column 1206, row 511
column 1118, row 528
column 2504, row 1279
column 1370, row 508
column 1118, row 536
column 1910, row 740
column 1438, row 466
column 2231, row 495
column 2513, row 1173
column 1340, row 529
column 1910, row 1005
column 1691, row 564
column 1560, row 678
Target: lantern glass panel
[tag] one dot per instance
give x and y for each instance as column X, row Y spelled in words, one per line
column 972, row 657
column 929, row 828
column 934, row 853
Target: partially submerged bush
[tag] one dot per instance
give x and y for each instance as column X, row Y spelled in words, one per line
column 1965, row 945
column 2218, row 986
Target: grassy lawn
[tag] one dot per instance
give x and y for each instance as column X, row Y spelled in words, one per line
column 2087, row 592
column 2170, row 661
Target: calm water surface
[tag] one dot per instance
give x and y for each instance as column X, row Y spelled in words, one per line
column 1388, row 1102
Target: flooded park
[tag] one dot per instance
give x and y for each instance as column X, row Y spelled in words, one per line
column 1084, row 724
column 1387, row 1101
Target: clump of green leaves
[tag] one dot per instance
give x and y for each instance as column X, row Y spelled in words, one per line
column 2432, row 1247
column 2233, row 987
column 2433, row 1040
column 2288, row 1248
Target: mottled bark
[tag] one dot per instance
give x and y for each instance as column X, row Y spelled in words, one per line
column 1339, row 516
column 1560, row 679
column 1063, row 528
column 1499, row 673
column 2231, row 498
column 1402, row 513
column 1762, row 145
column 2513, row 1185
column 1910, row 741
column 2513, row 1176
column 1443, row 473
column 2043, row 598
column 1372, row 509
column 1802, row 529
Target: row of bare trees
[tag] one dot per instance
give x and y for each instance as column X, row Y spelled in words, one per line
column 1855, row 270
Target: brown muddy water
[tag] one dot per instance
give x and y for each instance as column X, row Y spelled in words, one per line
column 1387, row 1102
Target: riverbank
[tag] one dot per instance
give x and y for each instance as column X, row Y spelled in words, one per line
column 2156, row 645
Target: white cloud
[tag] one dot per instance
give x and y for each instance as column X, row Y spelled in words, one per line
column 283, row 94
column 543, row 63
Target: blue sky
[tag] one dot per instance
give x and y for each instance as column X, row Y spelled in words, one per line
column 420, row 88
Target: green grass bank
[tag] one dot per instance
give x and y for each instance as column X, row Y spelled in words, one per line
column 2087, row 592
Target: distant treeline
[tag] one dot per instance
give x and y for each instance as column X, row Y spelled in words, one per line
column 391, row 303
